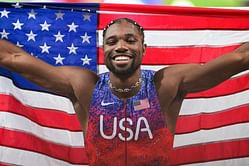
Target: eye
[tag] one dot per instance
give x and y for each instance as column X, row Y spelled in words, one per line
column 131, row 40
column 111, row 41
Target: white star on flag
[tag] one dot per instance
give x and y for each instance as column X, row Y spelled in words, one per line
column 72, row 49
column 4, row 34
column 45, row 48
column 44, row 31
column 72, row 27
column 59, row 15
column 59, row 37
column 4, row 13
column 85, row 38
column 17, row 5
column 18, row 44
column 32, row 14
column 18, row 25
column 31, row 36
column 86, row 60
column 45, row 26
column 59, row 59
column 87, row 17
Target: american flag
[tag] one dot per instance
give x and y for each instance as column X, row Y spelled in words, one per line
column 40, row 128
column 141, row 104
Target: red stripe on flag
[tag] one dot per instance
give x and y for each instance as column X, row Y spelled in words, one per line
column 152, row 9
column 32, row 143
column 178, row 22
column 43, row 117
column 212, row 120
column 210, row 152
column 179, row 55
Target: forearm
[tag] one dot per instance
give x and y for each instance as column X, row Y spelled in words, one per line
column 244, row 48
column 33, row 69
column 202, row 77
column 243, row 51
column 8, row 52
column 16, row 59
column 228, row 65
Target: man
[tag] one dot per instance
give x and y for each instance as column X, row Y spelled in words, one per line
column 129, row 114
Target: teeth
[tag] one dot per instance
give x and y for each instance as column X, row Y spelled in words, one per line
column 121, row 58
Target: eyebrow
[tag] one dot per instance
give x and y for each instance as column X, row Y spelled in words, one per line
column 126, row 35
column 130, row 34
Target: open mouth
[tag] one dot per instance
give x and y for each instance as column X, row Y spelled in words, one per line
column 121, row 58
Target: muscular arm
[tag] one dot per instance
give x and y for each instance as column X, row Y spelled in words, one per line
column 65, row 81
column 197, row 77
column 72, row 82
column 173, row 83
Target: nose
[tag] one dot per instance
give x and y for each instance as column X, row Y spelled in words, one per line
column 121, row 46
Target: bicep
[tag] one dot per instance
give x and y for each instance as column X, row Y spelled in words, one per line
column 55, row 79
column 41, row 73
column 194, row 77
column 198, row 77
column 186, row 78
column 69, row 81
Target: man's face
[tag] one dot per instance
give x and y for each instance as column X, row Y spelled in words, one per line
column 123, row 48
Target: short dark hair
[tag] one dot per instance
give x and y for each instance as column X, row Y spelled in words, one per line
column 119, row 20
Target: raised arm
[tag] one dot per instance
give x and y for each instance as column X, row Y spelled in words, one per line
column 198, row 77
column 174, row 82
column 56, row 79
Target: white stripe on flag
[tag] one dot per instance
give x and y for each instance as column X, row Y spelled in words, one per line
column 209, row 105
column 36, row 99
column 103, row 68
column 237, row 131
column 190, row 106
column 28, row 158
column 16, row 122
column 191, row 38
column 228, row 162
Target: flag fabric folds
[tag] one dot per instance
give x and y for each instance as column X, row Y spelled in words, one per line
column 40, row 128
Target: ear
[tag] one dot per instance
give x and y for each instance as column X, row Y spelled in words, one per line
column 144, row 48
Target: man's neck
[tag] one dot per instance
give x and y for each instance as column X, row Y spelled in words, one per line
column 125, row 87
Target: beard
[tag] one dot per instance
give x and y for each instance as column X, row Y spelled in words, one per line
column 122, row 71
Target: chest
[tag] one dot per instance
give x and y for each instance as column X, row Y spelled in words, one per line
column 136, row 117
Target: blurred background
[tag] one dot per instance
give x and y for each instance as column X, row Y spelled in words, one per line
column 198, row 3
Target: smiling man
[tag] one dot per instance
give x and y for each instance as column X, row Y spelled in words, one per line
column 129, row 114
